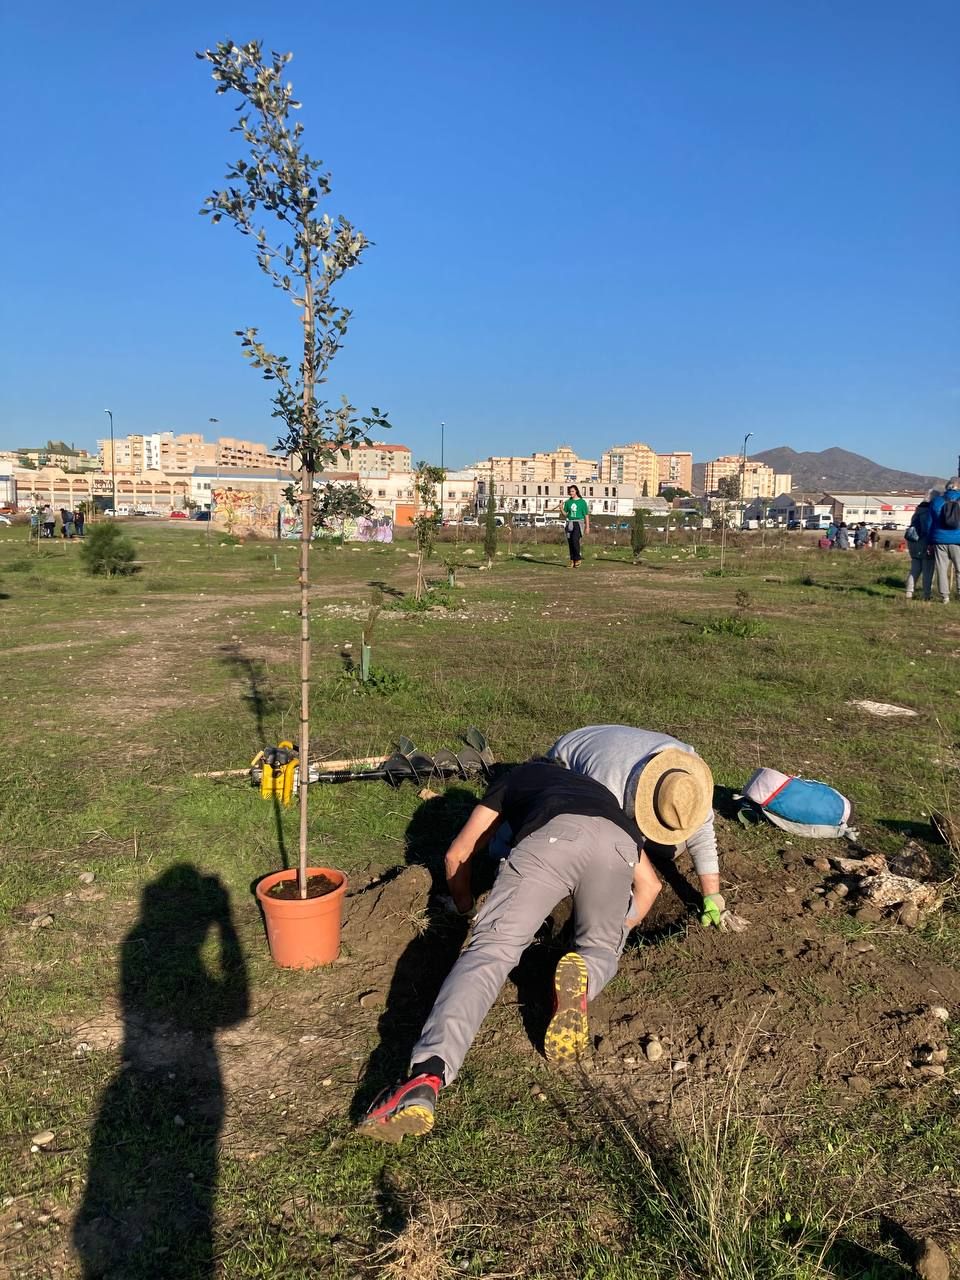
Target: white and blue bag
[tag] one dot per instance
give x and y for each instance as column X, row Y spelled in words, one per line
column 801, row 806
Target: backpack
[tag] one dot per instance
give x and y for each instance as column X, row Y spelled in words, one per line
column 950, row 514
column 800, row 805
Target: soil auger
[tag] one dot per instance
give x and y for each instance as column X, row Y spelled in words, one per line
column 276, row 769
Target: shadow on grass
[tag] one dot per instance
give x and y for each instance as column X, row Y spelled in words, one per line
column 261, row 701
column 147, row 1209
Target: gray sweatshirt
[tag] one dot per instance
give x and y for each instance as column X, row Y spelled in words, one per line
column 615, row 754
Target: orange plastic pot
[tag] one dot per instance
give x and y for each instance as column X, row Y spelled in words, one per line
column 303, row 932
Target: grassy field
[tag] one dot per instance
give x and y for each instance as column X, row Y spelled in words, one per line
column 201, row 1101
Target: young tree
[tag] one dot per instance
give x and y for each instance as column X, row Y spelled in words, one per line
column 638, row 533
column 429, row 516
column 304, row 255
column 490, row 527
column 728, row 488
column 646, row 490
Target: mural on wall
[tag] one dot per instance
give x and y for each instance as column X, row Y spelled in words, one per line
column 372, row 528
column 244, row 512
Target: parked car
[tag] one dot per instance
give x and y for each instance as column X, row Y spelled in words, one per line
column 892, row 525
column 794, row 524
column 201, row 515
column 5, row 520
column 179, row 515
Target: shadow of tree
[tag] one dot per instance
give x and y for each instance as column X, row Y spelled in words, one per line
column 147, row 1208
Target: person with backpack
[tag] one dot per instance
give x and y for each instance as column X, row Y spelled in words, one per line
column 860, row 536
column 945, row 537
column 917, row 539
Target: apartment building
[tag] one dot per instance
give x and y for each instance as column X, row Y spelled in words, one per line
column 180, row 453
column 561, row 465
column 377, row 456
column 635, row 464
column 759, row 480
column 676, row 470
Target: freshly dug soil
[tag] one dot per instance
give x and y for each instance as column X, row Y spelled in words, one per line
column 317, row 887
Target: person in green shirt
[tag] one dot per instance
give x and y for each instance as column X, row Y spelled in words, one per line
column 578, row 523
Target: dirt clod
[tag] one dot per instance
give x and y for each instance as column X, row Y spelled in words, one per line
column 931, row 1261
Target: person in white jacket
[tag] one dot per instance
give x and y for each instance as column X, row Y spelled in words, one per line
column 616, row 755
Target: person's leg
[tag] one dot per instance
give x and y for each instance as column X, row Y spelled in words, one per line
column 953, row 558
column 942, row 563
column 575, row 542
column 926, row 578
column 529, row 885
column 913, row 573
column 601, row 905
column 527, row 888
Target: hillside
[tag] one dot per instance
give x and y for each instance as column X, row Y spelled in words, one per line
column 834, row 469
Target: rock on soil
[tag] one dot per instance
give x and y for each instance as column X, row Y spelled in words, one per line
column 932, row 1263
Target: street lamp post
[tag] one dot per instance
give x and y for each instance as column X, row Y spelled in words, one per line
column 113, row 464
column 442, row 426
column 743, row 473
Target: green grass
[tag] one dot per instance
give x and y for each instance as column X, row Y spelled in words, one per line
column 115, row 694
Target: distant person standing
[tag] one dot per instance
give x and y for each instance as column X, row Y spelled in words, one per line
column 874, row 539
column 79, row 519
column 832, row 532
column 918, row 543
column 945, row 536
column 860, row 536
column 577, row 515
column 66, row 523
column 34, row 521
column 843, row 537
column 49, row 521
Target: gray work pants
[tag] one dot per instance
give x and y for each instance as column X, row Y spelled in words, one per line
column 921, row 569
column 589, row 857
column 946, row 554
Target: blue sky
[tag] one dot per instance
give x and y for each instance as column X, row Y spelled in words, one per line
column 676, row 223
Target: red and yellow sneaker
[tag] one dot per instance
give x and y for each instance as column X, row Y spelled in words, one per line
column 568, row 1034
column 401, row 1110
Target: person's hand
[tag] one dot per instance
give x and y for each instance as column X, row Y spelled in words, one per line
column 713, row 908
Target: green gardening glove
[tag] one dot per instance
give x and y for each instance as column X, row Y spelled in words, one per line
column 713, row 909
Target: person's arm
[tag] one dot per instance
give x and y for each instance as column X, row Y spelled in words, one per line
column 472, row 837
column 703, row 850
column 586, row 520
column 646, row 886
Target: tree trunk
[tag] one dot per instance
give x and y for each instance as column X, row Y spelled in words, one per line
column 306, row 507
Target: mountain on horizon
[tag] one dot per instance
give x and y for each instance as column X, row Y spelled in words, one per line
column 836, row 470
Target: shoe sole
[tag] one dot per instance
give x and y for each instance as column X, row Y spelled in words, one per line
column 409, row 1122
column 568, row 1036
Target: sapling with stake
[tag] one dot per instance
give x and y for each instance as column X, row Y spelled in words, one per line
column 304, row 255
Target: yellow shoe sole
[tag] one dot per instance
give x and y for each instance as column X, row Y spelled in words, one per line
column 568, row 1035
column 410, row 1122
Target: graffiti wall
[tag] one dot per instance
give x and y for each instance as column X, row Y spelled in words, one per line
column 365, row 529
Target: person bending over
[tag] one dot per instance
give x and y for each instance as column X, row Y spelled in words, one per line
column 570, row 836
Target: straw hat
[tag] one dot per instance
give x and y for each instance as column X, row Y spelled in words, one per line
column 674, row 796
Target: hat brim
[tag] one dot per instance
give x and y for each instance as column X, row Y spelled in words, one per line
column 656, row 768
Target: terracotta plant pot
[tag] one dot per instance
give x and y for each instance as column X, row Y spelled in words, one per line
column 303, row 932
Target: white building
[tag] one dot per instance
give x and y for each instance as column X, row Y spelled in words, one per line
column 515, row 497
column 874, row 508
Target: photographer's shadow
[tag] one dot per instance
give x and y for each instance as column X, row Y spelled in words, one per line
column 147, row 1209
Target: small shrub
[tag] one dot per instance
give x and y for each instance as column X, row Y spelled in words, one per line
column 743, row 599
column 22, row 565
column 732, row 625
column 107, row 550
column 380, row 683
column 432, row 599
